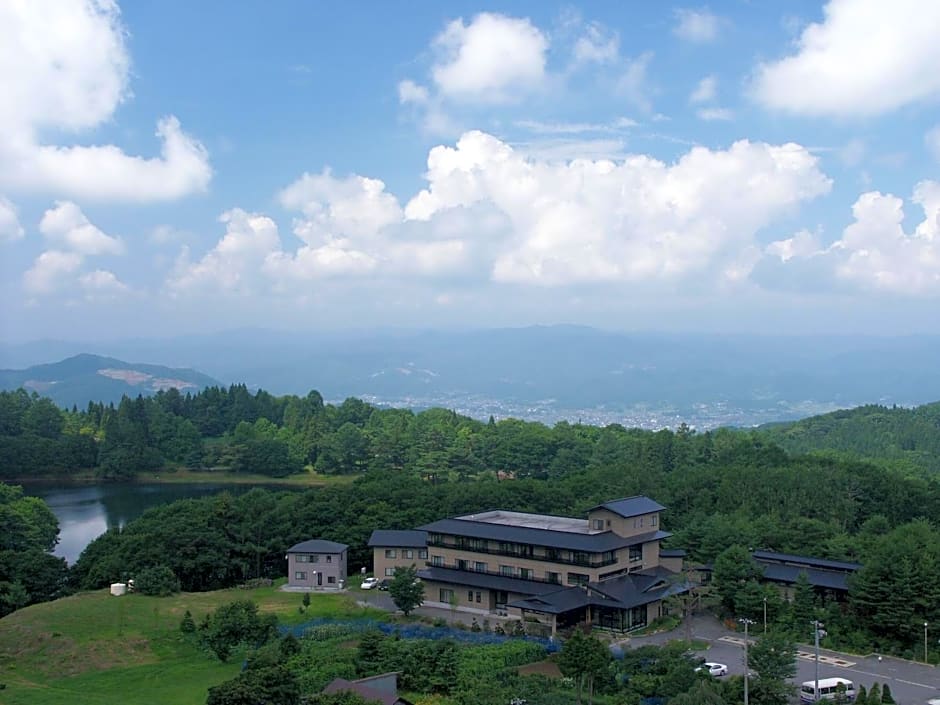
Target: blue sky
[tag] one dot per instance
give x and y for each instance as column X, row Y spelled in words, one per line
column 174, row 167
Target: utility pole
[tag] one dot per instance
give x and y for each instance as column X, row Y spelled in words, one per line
column 816, row 626
column 765, row 614
column 747, row 668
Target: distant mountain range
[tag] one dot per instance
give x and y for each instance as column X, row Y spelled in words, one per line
column 83, row 378
column 554, row 372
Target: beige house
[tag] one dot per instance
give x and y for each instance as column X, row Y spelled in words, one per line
column 605, row 569
column 393, row 549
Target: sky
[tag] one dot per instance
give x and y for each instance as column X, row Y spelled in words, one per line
column 177, row 167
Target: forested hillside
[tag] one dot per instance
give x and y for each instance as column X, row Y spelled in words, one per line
column 908, row 438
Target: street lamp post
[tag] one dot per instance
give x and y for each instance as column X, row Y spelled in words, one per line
column 816, row 626
column 747, row 669
column 925, row 643
column 765, row 615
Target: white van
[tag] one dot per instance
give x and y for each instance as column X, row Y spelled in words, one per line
column 829, row 688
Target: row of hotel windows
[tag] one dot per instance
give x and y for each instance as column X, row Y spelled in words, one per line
column 312, row 558
column 406, row 553
column 302, row 575
column 635, row 554
column 447, row 595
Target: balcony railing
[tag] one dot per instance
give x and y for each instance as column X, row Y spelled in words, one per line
column 597, row 563
column 454, row 566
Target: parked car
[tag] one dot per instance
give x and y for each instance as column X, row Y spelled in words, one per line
column 713, row 669
column 369, row 583
column 384, row 584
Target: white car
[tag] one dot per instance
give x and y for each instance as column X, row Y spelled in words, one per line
column 713, row 669
column 369, row 583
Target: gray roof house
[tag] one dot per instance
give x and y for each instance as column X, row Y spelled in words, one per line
column 381, row 689
column 316, row 565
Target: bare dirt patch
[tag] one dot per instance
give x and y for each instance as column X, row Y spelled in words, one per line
column 541, row 668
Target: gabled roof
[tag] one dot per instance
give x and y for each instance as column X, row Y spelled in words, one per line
column 630, row 506
column 621, row 592
column 317, row 546
column 396, row 538
column 790, row 574
column 591, row 543
column 362, row 687
column 808, row 561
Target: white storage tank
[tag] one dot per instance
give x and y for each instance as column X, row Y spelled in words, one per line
column 118, row 589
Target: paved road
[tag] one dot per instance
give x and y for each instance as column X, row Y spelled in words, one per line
column 911, row 683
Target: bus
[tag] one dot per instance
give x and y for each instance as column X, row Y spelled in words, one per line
column 829, row 689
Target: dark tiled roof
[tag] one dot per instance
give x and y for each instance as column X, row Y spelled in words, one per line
column 485, row 580
column 572, row 541
column 395, row 538
column 317, row 546
column 809, row 561
column 780, row 573
column 340, row 685
column 631, row 506
column 623, row 592
column 672, row 553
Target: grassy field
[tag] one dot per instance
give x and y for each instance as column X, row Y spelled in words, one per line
column 95, row 649
column 304, row 479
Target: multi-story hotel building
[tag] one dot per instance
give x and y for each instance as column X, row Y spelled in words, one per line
column 605, row 570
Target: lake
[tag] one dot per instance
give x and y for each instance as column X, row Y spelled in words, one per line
column 87, row 511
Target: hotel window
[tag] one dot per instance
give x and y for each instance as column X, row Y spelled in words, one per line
column 654, row 520
column 552, row 554
column 578, row 579
column 638, row 523
column 461, row 564
column 446, row 595
column 391, row 553
column 329, row 558
column 526, row 573
column 477, row 544
column 423, row 554
column 479, row 567
column 608, row 557
column 435, row 538
column 300, row 575
column 389, row 572
column 636, row 553
column 553, row 577
column 580, row 557
column 437, row 560
column 301, row 558
column 469, row 595
column 478, row 597
column 331, row 579
column 599, row 524
column 507, row 570
column 408, row 553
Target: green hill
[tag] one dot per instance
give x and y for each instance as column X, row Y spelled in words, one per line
column 905, row 436
column 83, row 378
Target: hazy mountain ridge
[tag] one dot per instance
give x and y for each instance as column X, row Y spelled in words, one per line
column 85, row 377
column 547, row 373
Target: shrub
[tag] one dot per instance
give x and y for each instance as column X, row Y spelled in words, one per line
column 187, row 625
column 158, row 581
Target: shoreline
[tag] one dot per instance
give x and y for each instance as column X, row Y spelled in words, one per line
column 172, row 477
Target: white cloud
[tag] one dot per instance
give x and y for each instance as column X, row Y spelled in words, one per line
column 411, row 92
column 636, row 220
column 101, row 282
column 705, row 91
column 633, row 82
column 874, row 251
column 492, row 59
column 66, row 224
column 932, row 140
column 64, row 67
column 597, row 45
column 803, row 244
column 230, row 266
column 698, row 26
column 51, row 271
column 10, row 228
column 575, row 128
column 865, row 58
column 713, row 114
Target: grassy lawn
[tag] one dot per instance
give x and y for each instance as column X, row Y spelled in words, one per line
column 94, row 649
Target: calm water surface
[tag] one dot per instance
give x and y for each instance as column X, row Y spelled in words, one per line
column 87, row 511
